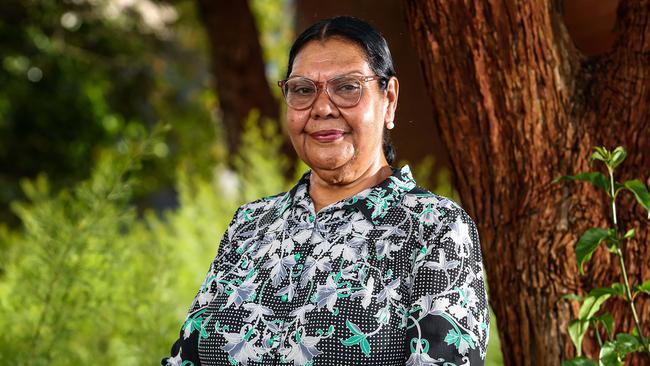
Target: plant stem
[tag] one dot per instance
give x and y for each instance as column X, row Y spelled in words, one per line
column 613, row 197
column 595, row 325
column 621, row 262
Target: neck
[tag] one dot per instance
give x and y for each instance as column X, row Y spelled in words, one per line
column 324, row 192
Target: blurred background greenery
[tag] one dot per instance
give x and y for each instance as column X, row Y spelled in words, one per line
column 115, row 180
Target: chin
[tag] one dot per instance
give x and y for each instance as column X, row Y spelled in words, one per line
column 334, row 170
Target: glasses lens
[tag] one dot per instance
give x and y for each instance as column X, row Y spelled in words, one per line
column 299, row 92
column 345, row 91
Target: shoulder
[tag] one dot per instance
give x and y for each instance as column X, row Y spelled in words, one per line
column 433, row 209
column 262, row 207
column 263, row 204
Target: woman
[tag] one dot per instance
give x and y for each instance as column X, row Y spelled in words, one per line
column 355, row 265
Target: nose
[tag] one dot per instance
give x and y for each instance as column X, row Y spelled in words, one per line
column 323, row 107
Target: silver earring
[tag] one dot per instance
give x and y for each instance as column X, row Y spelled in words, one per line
column 390, row 125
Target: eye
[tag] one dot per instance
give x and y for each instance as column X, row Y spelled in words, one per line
column 347, row 86
column 301, row 88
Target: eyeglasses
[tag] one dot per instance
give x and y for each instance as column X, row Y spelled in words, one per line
column 344, row 91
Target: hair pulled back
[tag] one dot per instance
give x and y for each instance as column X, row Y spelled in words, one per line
column 368, row 39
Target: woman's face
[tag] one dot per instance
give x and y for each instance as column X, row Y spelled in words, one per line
column 340, row 144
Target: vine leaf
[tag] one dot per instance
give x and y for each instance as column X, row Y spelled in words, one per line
column 588, row 244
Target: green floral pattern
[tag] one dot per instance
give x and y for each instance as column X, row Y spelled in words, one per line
column 390, row 276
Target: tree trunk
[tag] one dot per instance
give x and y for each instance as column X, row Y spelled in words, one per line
column 238, row 67
column 519, row 105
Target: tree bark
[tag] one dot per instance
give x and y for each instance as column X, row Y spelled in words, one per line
column 238, row 66
column 518, row 105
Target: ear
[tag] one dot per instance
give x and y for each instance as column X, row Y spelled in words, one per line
column 392, row 93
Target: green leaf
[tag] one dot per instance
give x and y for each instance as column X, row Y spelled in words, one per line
column 571, row 297
column 468, row 339
column 607, row 321
column 608, row 355
column 589, row 308
column 626, row 343
column 452, row 337
column 577, row 330
column 588, row 244
column 644, row 287
column 616, row 289
column 365, row 347
column 614, row 352
column 617, row 157
column 629, row 234
column 355, row 339
column 595, row 178
column 591, row 305
column 640, row 192
column 579, row 361
column 600, row 153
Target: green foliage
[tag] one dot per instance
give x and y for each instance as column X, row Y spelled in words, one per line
column 579, row 361
column 88, row 281
column 640, row 192
column 578, row 327
column 588, row 243
column 595, row 178
column 77, row 76
column 276, row 34
column 644, row 287
column 612, row 351
column 261, row 144
column 69, row 264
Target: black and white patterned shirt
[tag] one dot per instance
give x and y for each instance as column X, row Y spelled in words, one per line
column 390, row 276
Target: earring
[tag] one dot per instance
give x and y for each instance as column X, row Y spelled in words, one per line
column 390, row 125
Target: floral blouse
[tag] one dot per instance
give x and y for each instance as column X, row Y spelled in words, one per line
column 390, row 276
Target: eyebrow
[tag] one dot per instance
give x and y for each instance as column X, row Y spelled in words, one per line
column 333, row 77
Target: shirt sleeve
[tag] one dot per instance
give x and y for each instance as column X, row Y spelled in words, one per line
column 184, row 351
column 448, row 322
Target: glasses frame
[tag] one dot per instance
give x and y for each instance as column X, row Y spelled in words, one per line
column 322, row 85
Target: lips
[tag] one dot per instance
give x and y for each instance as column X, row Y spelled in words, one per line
column 327, row 135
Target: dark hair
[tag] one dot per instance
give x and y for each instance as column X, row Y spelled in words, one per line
column 368, row 39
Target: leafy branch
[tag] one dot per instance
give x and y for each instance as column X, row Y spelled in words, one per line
column 614, row 350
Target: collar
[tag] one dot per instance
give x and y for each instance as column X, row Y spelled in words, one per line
column 373, row 202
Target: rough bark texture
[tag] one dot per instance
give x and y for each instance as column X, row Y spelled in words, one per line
column 237, row 65
column 519, row 105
